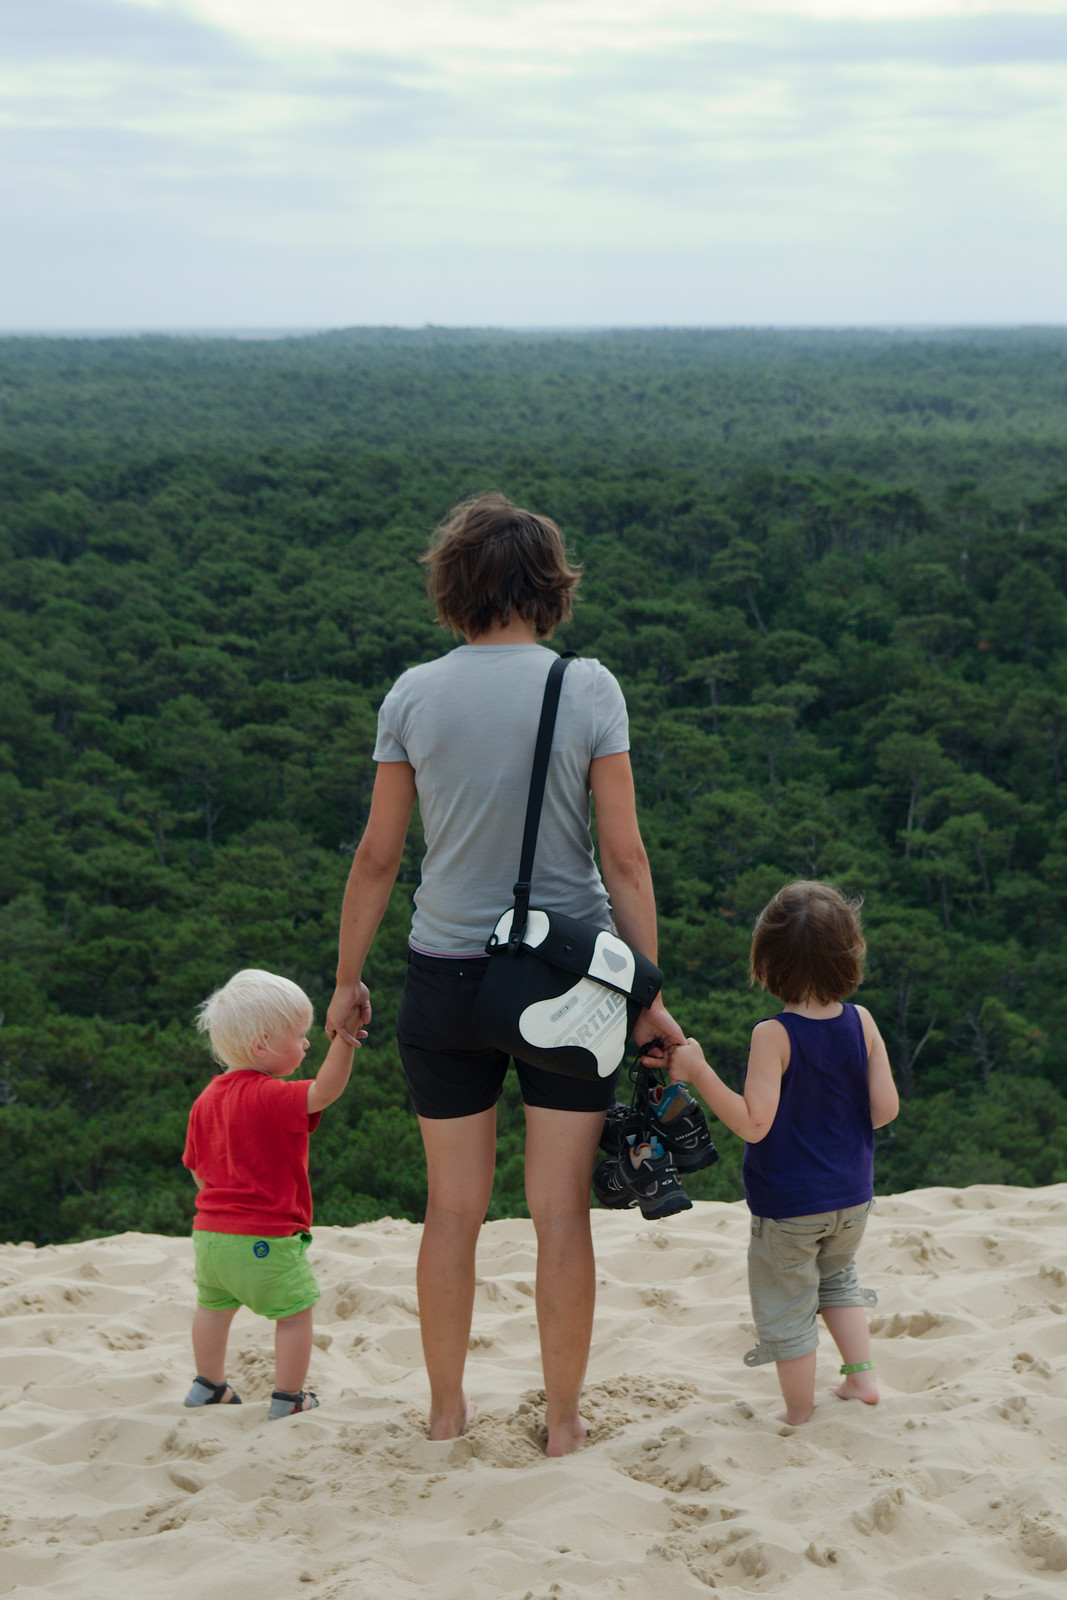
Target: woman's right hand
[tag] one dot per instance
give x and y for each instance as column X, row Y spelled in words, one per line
column 350, row 1001
column 658, row 1029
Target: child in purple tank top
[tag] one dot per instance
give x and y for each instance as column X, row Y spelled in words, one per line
column 818, row 1084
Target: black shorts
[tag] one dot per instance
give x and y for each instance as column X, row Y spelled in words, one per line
column 451, row 1071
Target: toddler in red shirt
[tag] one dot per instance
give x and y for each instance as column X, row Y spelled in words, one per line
column 247, row 1149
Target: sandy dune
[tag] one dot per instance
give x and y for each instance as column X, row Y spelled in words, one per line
column 955, row 1487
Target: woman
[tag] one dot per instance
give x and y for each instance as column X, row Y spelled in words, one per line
column 458, row 733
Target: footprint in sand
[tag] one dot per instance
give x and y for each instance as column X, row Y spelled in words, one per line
column 912, row 1326
column 881, row 1514
column 1042, row 1541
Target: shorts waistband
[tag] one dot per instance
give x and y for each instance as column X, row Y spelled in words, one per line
column 455, row 964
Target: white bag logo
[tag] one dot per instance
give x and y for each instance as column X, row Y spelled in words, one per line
column 586, row 1015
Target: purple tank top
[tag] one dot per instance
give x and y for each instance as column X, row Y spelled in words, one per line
column 819, row 1153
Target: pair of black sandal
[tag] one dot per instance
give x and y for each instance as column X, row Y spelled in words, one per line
column 282, row 1404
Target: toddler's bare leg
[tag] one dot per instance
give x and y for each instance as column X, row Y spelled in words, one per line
column 211, row 1329
column 797, row 1380
column 848, row 1329
column 292, row 1351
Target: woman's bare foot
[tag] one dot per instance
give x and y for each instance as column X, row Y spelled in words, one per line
column 453, row 1426
column 566, row 1439
column 859, row 1386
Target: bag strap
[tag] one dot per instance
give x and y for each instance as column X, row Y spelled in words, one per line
column 538, row 777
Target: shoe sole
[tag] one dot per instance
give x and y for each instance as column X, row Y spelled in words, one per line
column 667, row 1207
column 663, row 1201
column 652, row 1206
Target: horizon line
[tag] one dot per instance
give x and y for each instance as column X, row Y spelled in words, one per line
column 286, row 331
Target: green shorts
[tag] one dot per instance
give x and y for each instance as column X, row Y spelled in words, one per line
column 269, row 1275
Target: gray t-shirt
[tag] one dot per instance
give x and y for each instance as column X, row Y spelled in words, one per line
column 467, row 723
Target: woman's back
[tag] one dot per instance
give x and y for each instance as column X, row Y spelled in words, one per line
column 467, row 724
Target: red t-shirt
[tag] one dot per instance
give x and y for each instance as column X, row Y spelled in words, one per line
column 248, row 1144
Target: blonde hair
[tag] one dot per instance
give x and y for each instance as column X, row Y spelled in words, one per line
column 254, row 1005
column 808, row 944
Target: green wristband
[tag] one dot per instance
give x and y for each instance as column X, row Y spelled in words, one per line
column 858, row 1366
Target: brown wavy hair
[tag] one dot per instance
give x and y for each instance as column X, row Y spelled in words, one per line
column 808, row 944
column 490, row 561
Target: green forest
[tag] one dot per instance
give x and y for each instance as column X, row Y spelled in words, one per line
column 829, row 570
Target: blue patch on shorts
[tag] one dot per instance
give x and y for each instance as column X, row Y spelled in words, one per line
column 261, row 1248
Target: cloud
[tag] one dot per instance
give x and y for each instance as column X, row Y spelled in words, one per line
column 113, row 31
column 329, row 131
column 567, row 28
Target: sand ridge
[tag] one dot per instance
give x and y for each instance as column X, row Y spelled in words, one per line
column 953, row 1488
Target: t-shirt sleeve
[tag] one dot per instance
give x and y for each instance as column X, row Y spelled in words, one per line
column 289, row 1106
column 611, row 723
column 388, row 746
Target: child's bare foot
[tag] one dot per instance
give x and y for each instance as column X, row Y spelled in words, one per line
column 454, row 1425
column 565, row 1440
column 794, row 1421
column 859, row 1386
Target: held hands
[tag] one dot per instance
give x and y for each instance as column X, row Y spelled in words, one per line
column 352, row 1030
column 683, row 1061
column 348, row 1014
column 687, row 1062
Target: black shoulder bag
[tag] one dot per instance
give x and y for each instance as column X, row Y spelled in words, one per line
column 559, row 993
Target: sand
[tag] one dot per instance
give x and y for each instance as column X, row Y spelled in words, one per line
column 954, row 1487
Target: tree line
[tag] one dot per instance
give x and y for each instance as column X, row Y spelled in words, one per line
column 830, row 671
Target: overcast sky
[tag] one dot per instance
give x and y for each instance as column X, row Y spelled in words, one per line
column 323, row 163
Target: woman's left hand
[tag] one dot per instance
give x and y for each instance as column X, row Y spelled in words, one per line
column 350, row 1002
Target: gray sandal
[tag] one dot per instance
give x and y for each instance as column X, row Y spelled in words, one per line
column 287, row 1405
column 204, row 1393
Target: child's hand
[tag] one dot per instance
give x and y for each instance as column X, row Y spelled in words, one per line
column 352, row 1029
column 685, row 1061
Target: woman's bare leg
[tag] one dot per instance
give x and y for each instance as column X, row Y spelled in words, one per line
column 460, row 1162
column 560, row 1150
